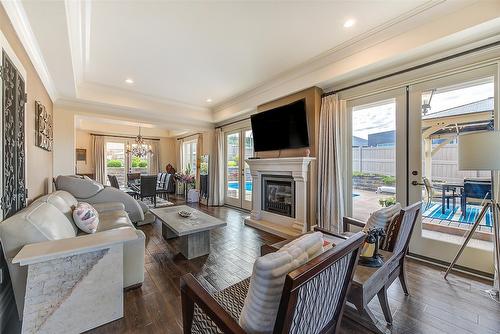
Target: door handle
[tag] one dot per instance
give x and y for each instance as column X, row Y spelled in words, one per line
column 416, row 183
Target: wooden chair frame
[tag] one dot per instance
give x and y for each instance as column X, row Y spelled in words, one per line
column 368, row 282
column 192, row 292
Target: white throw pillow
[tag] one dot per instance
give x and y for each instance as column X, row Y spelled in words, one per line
column 268, row 277
column 86, row 217
column 382, row 217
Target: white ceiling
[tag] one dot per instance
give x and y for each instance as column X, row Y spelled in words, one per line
column 191, row 51
column 180, row 53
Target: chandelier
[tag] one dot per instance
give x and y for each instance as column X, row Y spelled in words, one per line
column 139, row 148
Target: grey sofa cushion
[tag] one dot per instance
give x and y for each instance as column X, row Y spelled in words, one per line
column 78, row 186
column 111, row 220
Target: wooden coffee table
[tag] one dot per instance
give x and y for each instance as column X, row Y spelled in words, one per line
column 194, row 231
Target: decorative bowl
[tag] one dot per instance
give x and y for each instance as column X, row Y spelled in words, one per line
column 184, row 214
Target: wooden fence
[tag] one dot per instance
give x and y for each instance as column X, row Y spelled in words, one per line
column 382, row 160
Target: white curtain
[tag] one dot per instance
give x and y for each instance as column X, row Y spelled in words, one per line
column 330, row 168
column 98, row 144
column 155, row 157
column 216, row 171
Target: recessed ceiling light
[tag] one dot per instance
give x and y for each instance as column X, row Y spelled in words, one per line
column 349, row 23
column 129, row 81
column 209, row 100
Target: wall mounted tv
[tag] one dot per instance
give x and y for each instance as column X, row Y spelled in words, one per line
column 281, row 128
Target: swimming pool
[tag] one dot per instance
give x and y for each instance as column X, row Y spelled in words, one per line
column 235, row 185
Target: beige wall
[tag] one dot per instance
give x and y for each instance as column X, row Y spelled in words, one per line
column 167, row 153
column 39, row 161
column 64, row 141
column 83, row 140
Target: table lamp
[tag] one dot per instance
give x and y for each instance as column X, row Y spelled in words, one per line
column 481, row 151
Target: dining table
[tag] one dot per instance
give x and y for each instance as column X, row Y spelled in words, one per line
column 455, row 188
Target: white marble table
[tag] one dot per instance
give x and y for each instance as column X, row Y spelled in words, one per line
column 194, row 231
column 74, row 284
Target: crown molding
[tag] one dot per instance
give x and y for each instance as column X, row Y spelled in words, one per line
column 91, row 107
column 19, row 20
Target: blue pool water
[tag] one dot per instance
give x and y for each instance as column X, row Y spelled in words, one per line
column 235, row 185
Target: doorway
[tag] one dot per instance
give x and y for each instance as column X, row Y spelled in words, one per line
column 238, row 180
column 440, row 111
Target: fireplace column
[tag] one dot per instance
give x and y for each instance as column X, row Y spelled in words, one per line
column 256, row 194
column 300, row 179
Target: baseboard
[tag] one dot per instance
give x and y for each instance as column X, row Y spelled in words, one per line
column 458, row 268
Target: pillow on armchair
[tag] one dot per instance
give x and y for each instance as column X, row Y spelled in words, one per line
column 268, row 277
column 382, row 217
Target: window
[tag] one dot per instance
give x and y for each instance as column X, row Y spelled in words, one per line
column 115, row 161
column 189, row 157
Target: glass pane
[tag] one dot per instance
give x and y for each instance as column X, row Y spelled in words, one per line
column 248, row 154
column 452, row 197
column 115, row 161
column 189, row 157
column 233, row 165
column 373, row 157
column 139, row 164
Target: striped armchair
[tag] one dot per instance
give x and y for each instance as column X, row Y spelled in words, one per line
column 312, row 300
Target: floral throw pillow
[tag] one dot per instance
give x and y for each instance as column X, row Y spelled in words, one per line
column 86, row 217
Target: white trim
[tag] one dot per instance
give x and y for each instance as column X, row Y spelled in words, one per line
column 18, row 18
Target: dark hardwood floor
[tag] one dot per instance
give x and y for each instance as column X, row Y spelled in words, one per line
column 434, row 306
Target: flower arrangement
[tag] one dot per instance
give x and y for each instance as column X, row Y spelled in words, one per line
column 186, row 177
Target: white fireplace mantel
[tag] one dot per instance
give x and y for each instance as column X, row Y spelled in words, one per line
column 299, row 169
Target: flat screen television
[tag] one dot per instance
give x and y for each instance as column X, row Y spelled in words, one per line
column 281, row 128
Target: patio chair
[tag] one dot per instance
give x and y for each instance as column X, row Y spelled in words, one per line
column 312, row 299
column 431, row 194
column 475, row 191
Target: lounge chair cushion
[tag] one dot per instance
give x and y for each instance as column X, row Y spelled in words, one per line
column 268, row 277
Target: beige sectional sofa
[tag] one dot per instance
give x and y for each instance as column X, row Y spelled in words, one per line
column 50, row 218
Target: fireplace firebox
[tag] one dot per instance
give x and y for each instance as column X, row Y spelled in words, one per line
column 278, row 195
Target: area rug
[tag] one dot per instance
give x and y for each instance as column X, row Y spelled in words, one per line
column 455, row 215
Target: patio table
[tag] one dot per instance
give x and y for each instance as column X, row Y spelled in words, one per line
column 450, row 187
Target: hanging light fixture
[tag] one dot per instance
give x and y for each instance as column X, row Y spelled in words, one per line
column 139, row 148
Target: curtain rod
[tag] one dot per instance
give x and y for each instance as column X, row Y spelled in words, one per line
column 233, row 122
column 127, row 137
column 194, row 134
column 416, row 67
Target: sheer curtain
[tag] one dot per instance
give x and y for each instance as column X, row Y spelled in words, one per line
column 155, row 157
column 98, row 144
column 216, row 171
column 330, row 168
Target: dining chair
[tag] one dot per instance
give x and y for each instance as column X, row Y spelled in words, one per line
column 148, row 187
column 113, row 180
column 132, row 178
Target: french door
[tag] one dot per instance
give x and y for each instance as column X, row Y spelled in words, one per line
column 376, row 154
column 440, row 110
column 238, row 181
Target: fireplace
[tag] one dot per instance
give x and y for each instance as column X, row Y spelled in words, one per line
column 281, row 198
column 278, row 195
